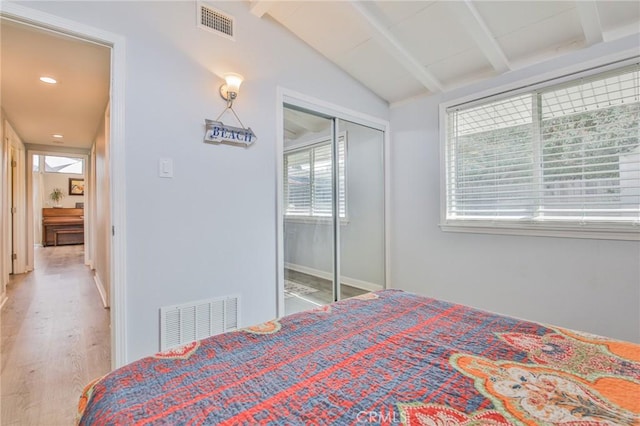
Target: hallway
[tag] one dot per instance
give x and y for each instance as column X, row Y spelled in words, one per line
column 55, row 339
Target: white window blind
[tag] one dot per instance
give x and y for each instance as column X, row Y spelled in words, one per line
column 564, row 154
column 308, row 180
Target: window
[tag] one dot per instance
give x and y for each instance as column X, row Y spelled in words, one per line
column 565, row 156
column 55, row 164
column 307, row 179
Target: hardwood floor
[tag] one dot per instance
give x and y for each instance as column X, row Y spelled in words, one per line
column 55, row 339
column 323, row 295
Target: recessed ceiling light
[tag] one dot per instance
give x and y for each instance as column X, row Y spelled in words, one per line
column 49, row 80
column 58, row 136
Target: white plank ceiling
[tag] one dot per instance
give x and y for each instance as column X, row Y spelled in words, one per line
column 402, row 49
column 398, row 49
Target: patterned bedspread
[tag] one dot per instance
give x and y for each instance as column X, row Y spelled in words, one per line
column 383, row 358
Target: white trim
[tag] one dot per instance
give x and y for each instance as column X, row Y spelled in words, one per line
column 89, row 211
column 48, row 150
column 353, row 282
column 117, row 185
column 558, row 76
column 117, row 157
column 300, row 100
column 56, row 150
column 30, row 231
column 101, row 290
column 613, row 34
column 279, row 151
column 547, row 231
column 327, row 108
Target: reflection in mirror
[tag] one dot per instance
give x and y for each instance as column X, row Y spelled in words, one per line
column 311, row 256
column 307, row 209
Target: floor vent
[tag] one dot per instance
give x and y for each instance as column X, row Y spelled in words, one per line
column 180, row 324
column 216, row 21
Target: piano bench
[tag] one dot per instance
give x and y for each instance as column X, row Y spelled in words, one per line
column 65, row 231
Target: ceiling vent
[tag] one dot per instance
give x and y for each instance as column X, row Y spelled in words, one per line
column 213, row 20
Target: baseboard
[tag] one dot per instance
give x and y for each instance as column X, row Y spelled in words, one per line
column 4, row 299
column 103, row 293
column 353, row 282
column 363, row 285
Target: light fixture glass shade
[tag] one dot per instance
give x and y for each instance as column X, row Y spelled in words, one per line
column 233, row 82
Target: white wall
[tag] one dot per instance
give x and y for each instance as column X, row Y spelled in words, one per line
column 60, row 180
column 362, row 234
column 209, row 231
column 590, row 285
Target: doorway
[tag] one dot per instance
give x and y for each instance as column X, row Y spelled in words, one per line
column 333, row 208
column 115, row 192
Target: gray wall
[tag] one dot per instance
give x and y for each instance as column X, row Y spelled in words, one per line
column 209, row 231
column 362, row 235
column 590, row 285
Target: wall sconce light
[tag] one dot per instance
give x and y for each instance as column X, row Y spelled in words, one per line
column 218, row 132
column 229, row 90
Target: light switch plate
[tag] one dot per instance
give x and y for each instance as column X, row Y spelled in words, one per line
column 165, row 168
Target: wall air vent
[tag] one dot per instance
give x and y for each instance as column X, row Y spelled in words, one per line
column 180, row 324
column 215, row 21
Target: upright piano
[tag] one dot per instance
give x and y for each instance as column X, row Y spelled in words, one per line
column 62, row 226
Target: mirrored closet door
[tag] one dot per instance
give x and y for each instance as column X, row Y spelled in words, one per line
column 333, row 209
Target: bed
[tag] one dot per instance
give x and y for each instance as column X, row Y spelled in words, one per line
column 387, row 357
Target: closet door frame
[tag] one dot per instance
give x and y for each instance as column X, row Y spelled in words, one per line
column 289, row 97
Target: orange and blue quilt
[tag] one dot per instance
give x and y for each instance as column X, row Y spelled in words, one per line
column 388, row 357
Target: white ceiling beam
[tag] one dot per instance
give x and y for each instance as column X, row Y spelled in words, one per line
column 395, row 48
column 590, row 21
column 473, row 23
column 260, row 7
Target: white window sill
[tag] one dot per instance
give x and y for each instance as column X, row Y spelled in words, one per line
column 591, row 231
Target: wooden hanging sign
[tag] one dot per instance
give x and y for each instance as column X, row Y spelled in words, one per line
column 218, row 132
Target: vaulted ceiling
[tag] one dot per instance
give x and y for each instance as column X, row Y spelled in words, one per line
column 398, row 49
column 402, row 49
